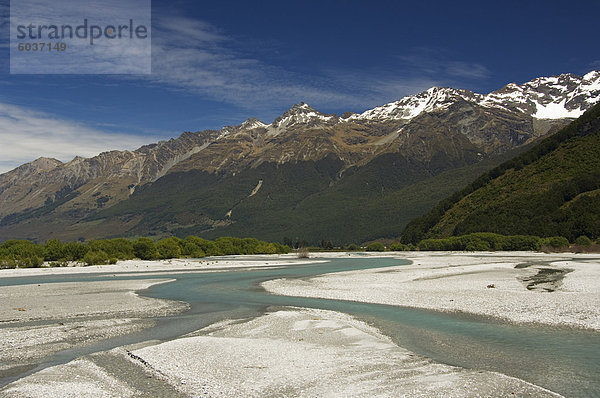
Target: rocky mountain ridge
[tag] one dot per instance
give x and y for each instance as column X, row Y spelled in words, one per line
column 555, row 97
column 437, row 130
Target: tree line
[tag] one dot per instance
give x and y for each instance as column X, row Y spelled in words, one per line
column 487, row 241
column 27, row 254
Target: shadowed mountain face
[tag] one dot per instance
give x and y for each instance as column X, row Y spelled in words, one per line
column 307, row 174
column 553, row 189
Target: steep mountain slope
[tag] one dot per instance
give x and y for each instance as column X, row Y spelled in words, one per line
column 552, row 189
column 369, row 157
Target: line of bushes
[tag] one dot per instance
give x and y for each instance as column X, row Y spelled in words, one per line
column 26, row 254
column 395, row 247
column 484, row 241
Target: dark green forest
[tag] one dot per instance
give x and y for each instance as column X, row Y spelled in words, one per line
column 552, row 189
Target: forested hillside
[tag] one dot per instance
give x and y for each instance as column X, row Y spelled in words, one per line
column 553, row 189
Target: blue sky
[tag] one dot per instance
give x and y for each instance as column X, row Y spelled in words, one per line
column 219, row 63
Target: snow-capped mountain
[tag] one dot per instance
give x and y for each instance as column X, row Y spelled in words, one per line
column 416, row 137
column 300, row 114
column 252, row 123
column 407, row 108
column 556, row 97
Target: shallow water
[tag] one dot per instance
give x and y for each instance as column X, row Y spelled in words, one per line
column 563, row 360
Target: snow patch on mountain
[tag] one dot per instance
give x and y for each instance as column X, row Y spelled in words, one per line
column 252, row 124
column 407, row 108
column 554, row 97
column 555, row 110
column 300, row 114
column 592, row 80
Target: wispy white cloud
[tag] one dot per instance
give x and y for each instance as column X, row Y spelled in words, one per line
column 439, row 64
column 26, row 134
column 193, row 56
column 196, row 57
column 374, row 87
column 80, row 56
column 467, row 70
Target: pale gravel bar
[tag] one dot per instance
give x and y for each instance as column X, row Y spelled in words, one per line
column 38, row 320
column 458, row 282
column 285, row 353
column 292, row 352
column 71, row 300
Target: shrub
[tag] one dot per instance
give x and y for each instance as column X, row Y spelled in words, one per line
column 96, row 257
column 352, row 247
column 23, row 253
column 226, row 246
column 375, row 247
column 555, row 242
column 492, row 241
column 326, row 244
column 281, row 249
column 303, row 252
column 6, row 263
column 398, row 247
column 74, row 251
column 482, row 241
column 193, row 246
column 522, row 243
column 583, row 241
column 412, row 247
column 145, row 249
column 169, row 248
column 266, row 248
column 476, row 245
column 120, row 248
column 29, row 261
column 436, row 244
column 21, row 249
column 189, row 249
column 54, row 250
column 209, row 248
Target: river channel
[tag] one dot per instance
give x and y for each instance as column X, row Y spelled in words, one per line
column 563, row 360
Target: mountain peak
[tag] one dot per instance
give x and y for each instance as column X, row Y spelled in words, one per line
column 593, row 75
column 43, row 164
column 46, row 162
column 252, row 123
column 39, row 165
column 409, row 107
column 553, row 97
column 300, row 108
column 300, row 113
